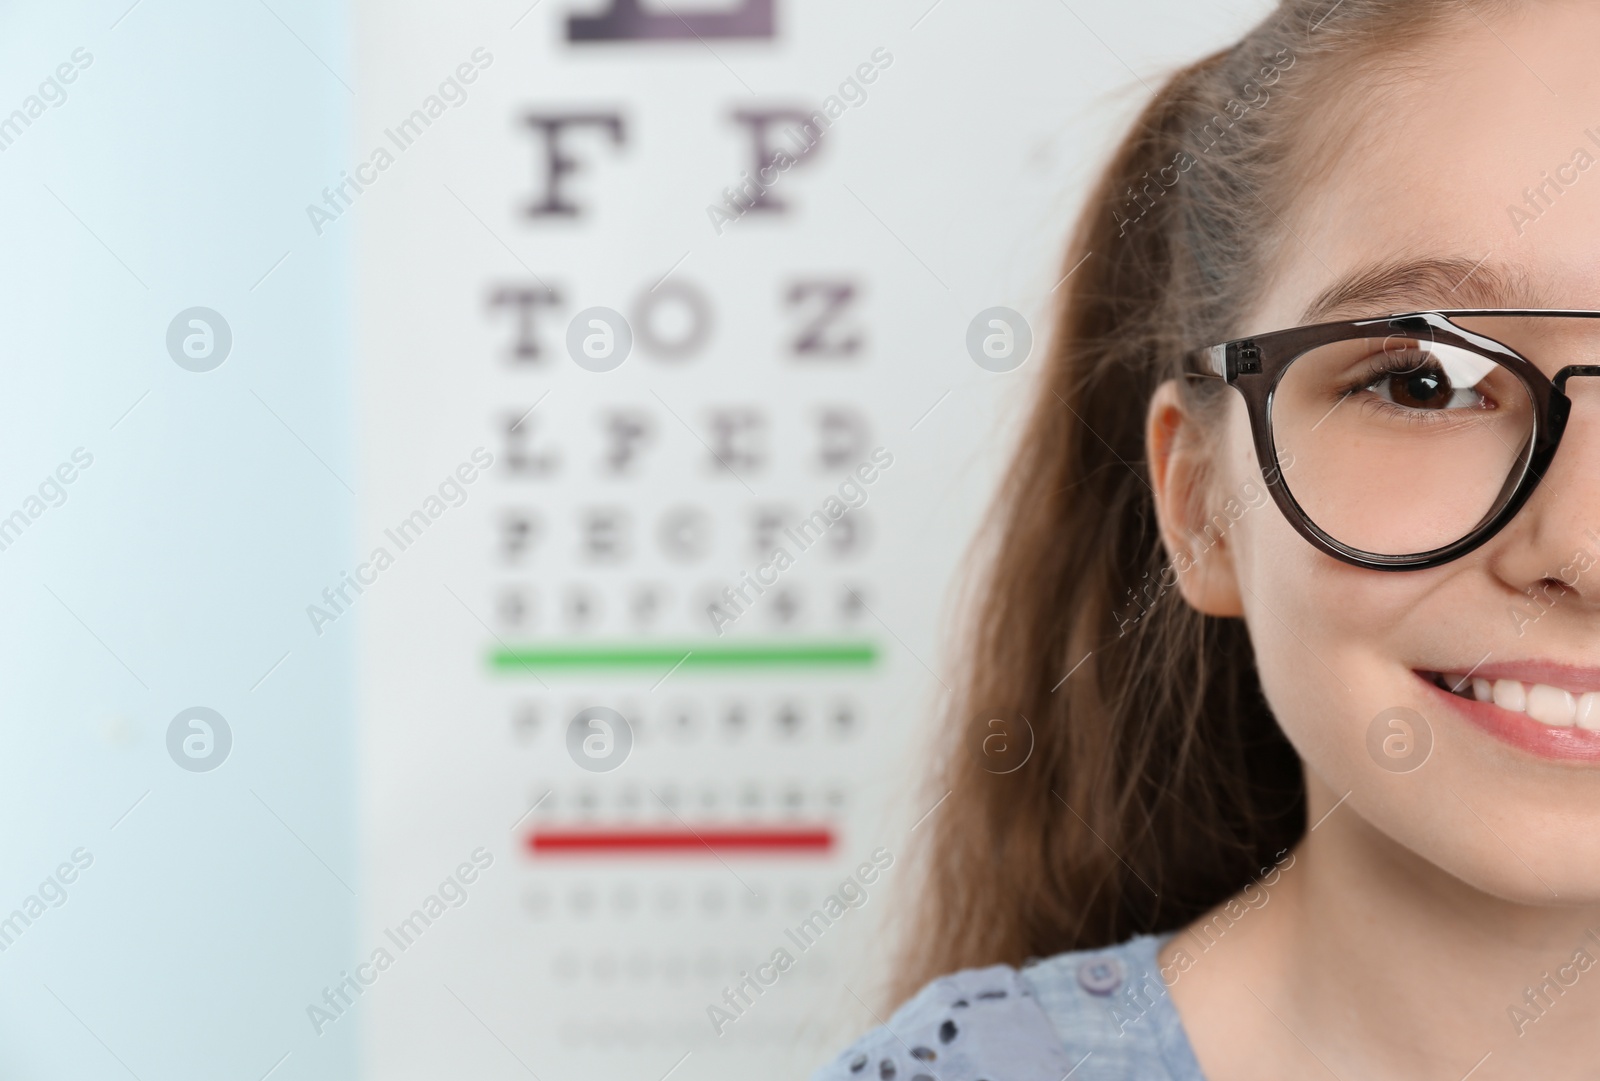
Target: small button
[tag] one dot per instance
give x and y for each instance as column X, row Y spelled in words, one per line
column 1100, row 975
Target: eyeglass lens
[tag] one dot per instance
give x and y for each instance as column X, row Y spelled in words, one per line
column 1401, row 445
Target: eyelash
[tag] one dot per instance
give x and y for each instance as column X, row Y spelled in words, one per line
column 1380, row 367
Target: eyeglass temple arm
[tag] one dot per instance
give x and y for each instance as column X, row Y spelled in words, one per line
column 1209, row 362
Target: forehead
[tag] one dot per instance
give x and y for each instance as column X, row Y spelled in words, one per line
column 1483, row 152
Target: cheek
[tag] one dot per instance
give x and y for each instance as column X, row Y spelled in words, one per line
column 1281, row 577
column 1329, row 638
column 1335, row 646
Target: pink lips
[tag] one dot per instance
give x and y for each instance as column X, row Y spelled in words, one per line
column 1518, row 729
column 1570, row 677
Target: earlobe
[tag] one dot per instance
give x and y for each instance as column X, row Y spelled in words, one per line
column 1199, row 552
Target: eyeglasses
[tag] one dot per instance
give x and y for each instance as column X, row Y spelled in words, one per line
column 1406, row 441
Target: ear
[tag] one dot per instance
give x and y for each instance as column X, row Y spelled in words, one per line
column 1200, row 553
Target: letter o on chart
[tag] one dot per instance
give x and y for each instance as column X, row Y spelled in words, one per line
column 689, row 313
column 685, row 534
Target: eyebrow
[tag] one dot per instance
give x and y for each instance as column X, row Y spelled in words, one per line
column 1397, row 286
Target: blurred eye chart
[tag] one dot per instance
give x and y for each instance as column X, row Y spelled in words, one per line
column 483, row 491
column 686, row 337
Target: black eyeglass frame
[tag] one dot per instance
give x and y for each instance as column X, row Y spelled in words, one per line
column 1255, row 366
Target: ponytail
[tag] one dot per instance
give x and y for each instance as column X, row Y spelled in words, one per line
column 1158, row 782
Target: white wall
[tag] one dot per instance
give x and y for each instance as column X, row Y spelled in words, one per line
column 374, row 746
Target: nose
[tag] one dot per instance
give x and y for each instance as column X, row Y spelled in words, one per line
column 1552, row 547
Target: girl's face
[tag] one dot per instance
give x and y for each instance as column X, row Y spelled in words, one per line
column 1486, row 154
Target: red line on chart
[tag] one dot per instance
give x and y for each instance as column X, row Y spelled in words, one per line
column 681, row 842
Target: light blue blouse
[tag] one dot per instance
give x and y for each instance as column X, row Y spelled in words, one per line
column 1095, row 1015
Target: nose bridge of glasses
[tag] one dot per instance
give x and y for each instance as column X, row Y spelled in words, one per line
column 1542, row 337
column 1571, row 371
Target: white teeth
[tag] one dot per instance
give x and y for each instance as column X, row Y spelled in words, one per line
column 1589, row 711
column 1509, row 694
column 1548, row 705
column 1552, row 706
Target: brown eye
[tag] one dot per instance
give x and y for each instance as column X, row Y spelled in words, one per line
column 1419, row 381
column 1424, row 387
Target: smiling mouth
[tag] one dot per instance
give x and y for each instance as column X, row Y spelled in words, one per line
column 1554, row 707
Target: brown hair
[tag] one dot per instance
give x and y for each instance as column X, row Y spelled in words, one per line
column 1159, row 783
